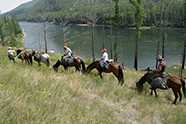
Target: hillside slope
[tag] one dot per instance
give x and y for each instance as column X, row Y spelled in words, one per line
column 35, row 95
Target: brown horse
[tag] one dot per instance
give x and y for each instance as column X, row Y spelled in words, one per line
column 76, row 62
column 24, row 55
column 155, row 81
column 114, row 68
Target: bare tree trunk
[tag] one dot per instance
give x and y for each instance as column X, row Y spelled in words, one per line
column 93, row 52
column 162, row 23
column 183, row 60
column 116, row 44
column 157, row 53
column 163, row 43
column 103, row 45
column 45, row 37
column 184, row 50
column 136, row 49
column 111, row 33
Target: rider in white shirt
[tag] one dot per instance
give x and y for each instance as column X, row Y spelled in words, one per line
column 11, row 53
column 67, row 52
column 68, row 55
column 104, row 61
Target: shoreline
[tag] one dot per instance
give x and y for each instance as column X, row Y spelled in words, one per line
column 106, row 26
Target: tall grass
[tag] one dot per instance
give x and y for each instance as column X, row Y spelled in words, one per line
column 38, row 95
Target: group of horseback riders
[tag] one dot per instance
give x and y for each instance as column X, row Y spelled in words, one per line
column 104, row 60
column 156, row 78
column 28, row 56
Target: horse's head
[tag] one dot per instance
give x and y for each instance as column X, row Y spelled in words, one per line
column 146, row 77
column 55, row 66
column 33, row 52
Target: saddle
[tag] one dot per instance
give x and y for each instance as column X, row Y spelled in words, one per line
column 68, row 60
column 104, row 65
column 163, row 80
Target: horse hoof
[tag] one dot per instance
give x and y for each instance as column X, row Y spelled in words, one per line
column 174, row 103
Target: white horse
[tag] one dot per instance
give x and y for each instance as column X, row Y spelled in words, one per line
column 41, row 57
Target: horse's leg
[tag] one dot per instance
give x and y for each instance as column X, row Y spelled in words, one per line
column 100, row 74
column 116, row 75
column 176, row 96
column 77, row 68
column 65, row 67
column 151, row 92
column 180, row 95
column 39, row 63
column 13, row 60
column 155, row 93
column 48, row 62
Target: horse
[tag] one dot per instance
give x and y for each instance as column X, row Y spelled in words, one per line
column 39, row 57
column 114, row 68
column 76, row 62
column 155, row 81
column 24, row 55
column 11, row 54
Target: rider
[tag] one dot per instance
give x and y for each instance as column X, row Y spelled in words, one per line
column 161, row 65
column 67, row 54
column 104, row 61
column 11, row 53
column 161, row 70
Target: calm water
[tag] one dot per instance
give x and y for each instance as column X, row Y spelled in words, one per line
column 80, row 42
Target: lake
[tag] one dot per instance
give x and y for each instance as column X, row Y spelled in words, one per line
column 80, row 42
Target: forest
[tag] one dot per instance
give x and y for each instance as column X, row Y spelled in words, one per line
column 84, row 11
column 10, row 31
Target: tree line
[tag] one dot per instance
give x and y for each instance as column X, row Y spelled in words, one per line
column 10, row 31
column 78, row 11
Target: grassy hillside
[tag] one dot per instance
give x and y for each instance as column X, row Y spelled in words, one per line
column 38, row 95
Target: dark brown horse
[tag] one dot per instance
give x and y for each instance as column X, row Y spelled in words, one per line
column 76, row 62
column 114, row 68
column 24, row 55
column 155, row 81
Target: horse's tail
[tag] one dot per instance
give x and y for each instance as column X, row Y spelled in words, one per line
column 121, row 76
column 55, row 66
column 183, row 87
column 30, row 59
column 91, row 66
column 83, row 65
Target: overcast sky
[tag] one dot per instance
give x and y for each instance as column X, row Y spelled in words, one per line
column 7, row 5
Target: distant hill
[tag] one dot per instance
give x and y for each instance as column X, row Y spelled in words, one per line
column 80, row 11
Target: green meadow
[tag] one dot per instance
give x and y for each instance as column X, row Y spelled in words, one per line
column 38, row 95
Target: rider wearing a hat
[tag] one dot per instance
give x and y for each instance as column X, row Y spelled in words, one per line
column 104, row 61
column 161, row 65
column 11, row 54
column 67, row 54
